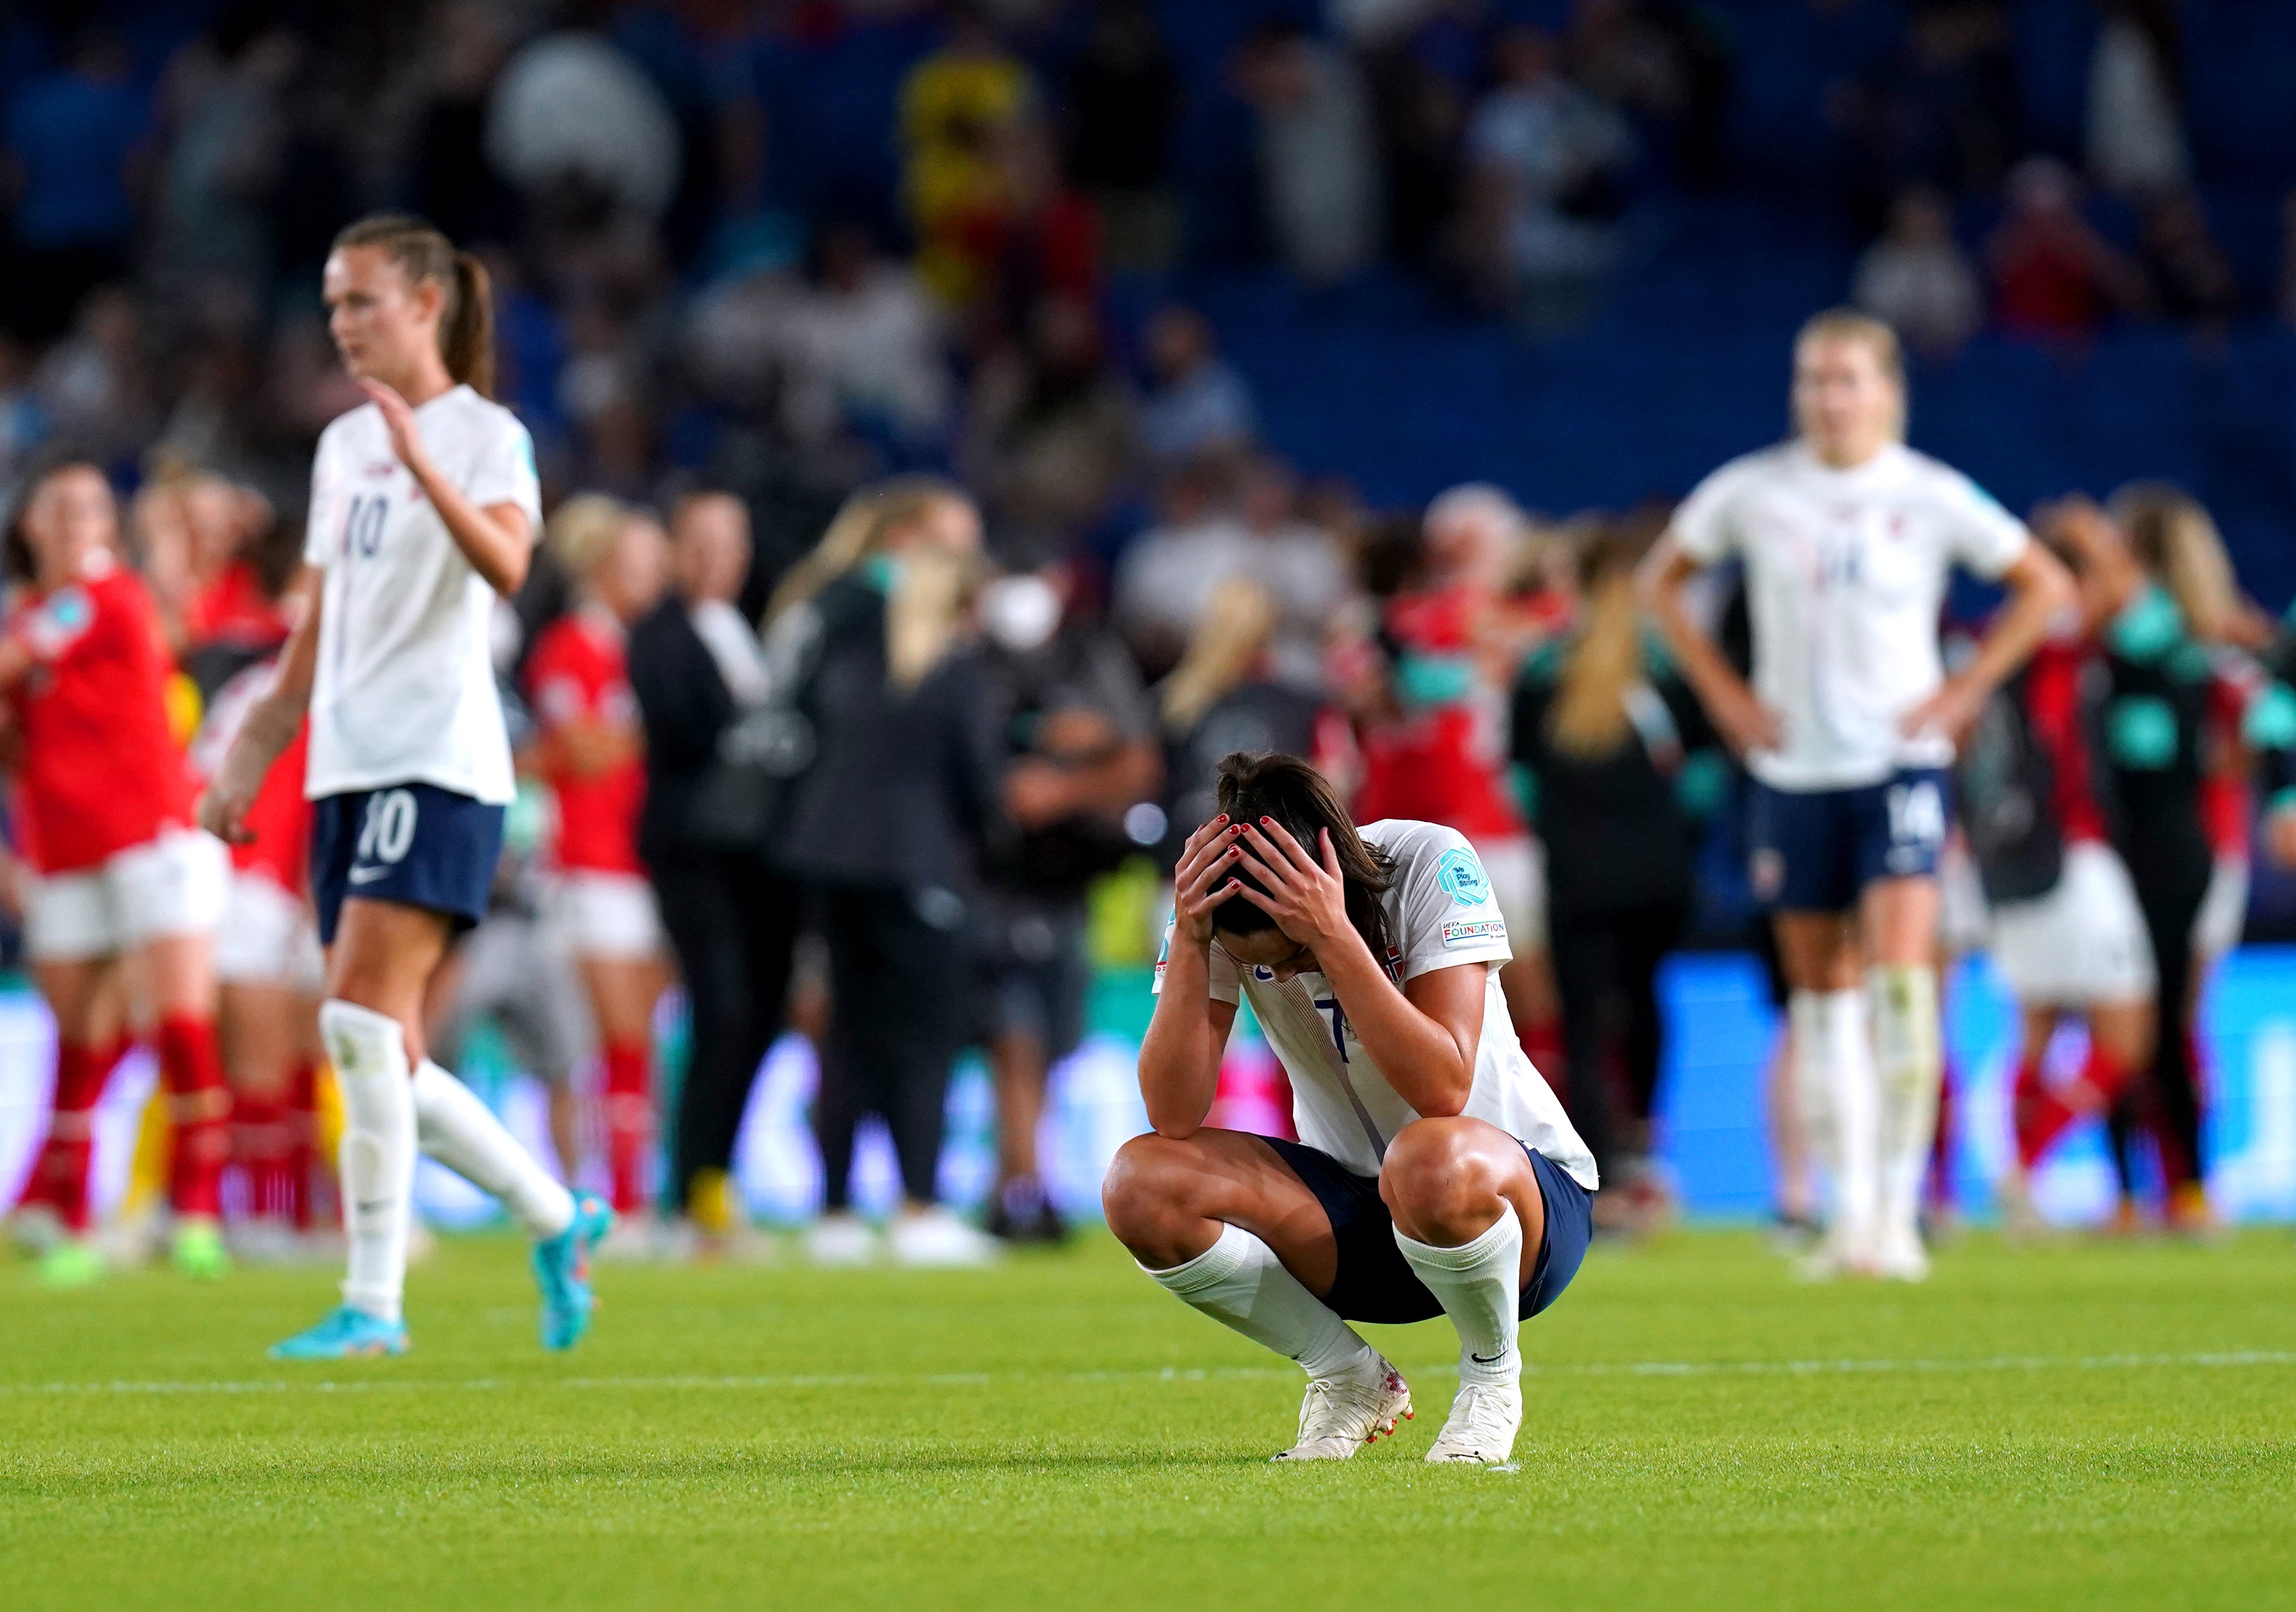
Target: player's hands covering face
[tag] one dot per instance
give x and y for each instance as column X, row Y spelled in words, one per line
column 1201, row 881
column 1307, row 897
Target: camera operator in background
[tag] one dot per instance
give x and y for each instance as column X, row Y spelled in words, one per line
column 1083, row 754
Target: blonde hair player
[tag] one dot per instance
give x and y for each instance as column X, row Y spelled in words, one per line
column 1848, row 537
column 423, row 509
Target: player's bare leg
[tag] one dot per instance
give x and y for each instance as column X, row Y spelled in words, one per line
column 1218, row 1220
column 1470, row 1218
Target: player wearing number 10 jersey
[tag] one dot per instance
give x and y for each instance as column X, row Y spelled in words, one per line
column 423, row 506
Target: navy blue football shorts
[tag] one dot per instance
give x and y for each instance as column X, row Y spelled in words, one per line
column 414, row 844
column 1377, row 1284
column 1817, row 849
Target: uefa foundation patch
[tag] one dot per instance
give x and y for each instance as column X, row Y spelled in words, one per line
column 1469, row 933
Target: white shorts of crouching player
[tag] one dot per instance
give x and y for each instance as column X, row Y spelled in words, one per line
column 605, row 915
column 2082, row 943
column 170, row 885
column 268, row 936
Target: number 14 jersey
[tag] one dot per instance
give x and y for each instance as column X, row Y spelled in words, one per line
column 406, row 685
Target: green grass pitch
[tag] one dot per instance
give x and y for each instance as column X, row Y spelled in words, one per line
column 2080, row 1426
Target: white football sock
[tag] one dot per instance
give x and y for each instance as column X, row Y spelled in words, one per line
column 1833, row 1064
column 463, row 1133
column 377, row 1155
column 1239, row 1282
column 1480, row 1285
column 1910, row 1054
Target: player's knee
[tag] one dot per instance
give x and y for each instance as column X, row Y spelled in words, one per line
column 1436, row 1180
column 1141, row 1193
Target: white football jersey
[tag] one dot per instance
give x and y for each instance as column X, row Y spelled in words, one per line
column 1846, row 571
column 406, row 687
column 1440, row 914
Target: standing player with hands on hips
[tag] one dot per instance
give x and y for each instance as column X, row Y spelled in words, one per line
column 424, row 507
column 1848, row 537
column 1436, row 1173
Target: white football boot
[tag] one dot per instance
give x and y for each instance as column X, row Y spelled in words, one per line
column 1341, row 1414
column 935, row 1239
column 1484, row 1419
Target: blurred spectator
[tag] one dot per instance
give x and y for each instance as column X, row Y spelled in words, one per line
column 1667, row 62
column 2134, row 137
column 1084, row 755
column 1918, row 280
column 1225, row 697
column 225, row 155
column 1618, row 765
column 1420, row 108
column 695, row 667
column 866, row 347
column 1123, row 101
column 446, row 181
column 23, row 422
column 1197, row 403
column 1950, row 114
column 1548, row 164
column 1169, row 576
column 885, row 829
column 573, row 120
column 2189, row 273
column 1042, row 238
column 2054, row 276
column 75, row 137
column 955, row 104
column 1318, row 158
column 96, row 384
column 1053, row 435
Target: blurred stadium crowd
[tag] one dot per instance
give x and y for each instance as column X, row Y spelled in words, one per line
column 749, row 258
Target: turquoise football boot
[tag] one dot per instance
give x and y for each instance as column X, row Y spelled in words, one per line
column 561, row 1270
column 345, row 1334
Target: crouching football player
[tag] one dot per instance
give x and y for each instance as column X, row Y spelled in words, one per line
column 1436, row 1172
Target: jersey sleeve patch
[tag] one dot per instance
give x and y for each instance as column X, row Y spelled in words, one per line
column 1474, row 932
column 1462, row 879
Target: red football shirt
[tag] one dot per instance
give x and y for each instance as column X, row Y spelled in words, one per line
column 579, row 673
column 233, row 609
column 102, row 771
column 2054, row 704
column 1444, row 760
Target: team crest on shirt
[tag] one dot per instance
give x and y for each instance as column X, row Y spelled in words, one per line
column 1462, row 877
column 65, row 615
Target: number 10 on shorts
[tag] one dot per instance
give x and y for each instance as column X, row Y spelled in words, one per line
column 389, row 828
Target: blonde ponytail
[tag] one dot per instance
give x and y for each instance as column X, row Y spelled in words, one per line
column 1229, row 640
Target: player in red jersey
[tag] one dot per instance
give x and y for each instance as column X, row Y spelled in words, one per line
column 119, row 871
column 272, row 975
column 1433, row 736
column 589, row 749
